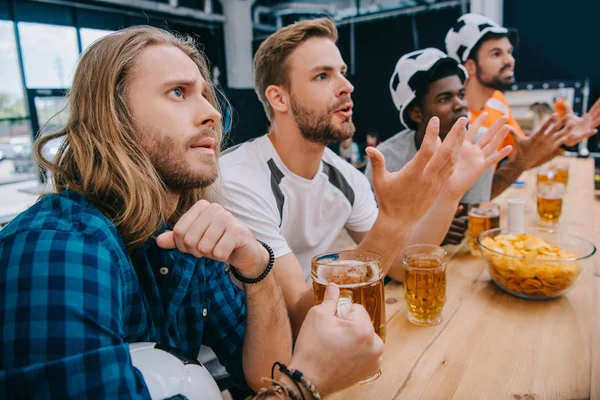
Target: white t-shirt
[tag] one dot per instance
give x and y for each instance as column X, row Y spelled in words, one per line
column 400, row 149
column 288, row 212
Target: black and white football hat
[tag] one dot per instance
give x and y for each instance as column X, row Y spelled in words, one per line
column 412, row 73
column 468, row 31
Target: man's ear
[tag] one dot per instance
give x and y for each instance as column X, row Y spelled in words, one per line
column 416, row 114
column 278, row 98
column 471, row 67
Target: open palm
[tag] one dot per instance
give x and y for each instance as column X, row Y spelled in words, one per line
column 477, row 157
column 584, row 127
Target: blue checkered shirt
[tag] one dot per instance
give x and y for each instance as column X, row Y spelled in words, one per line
column 72, row 297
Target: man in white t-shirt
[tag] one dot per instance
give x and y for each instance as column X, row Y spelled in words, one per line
column 428, row 83
column 297, row 195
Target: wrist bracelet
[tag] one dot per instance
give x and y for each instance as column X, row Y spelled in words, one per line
column 297, row 375
column 284, row 370
column 262, row 276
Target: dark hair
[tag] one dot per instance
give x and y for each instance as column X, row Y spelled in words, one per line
column 422, row 80
column 541, row 108
column 474, row 53
column 373, row 134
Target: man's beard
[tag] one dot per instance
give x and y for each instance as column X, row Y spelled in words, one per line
column 317, row 126
column 496, row 82
column 170, row 162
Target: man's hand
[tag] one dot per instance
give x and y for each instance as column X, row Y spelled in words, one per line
column 544, row 144
column 336, row 353
column 475, row 158
column 207, row 230
column 583, row 127
column 407, row 194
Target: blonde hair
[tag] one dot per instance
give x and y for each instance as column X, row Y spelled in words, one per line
column 270, row 61
column 100, row 157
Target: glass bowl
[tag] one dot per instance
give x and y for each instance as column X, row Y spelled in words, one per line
column 533, row 277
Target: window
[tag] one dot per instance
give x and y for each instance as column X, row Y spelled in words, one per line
column 50, row 54
column 12, row 98
column 89, row 36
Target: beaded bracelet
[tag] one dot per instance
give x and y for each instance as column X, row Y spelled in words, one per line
column 284, row 369
column 297, row 375
column 262, row 276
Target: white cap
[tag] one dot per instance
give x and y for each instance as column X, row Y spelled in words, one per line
column 516, row 216
column 412, row 72
column 468, row 30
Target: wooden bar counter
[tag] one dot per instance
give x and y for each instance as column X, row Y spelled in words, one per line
column 492, row 345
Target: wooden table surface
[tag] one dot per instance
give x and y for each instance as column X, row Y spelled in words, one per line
column 492, row 345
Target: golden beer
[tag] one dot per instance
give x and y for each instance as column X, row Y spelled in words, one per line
column 562, row 174
column 549, row 210
column 545, row 174
column 425, row 284
column 482, row 217
column 549, row 201
column 359, row 275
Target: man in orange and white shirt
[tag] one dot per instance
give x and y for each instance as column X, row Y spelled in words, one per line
column 485, row 49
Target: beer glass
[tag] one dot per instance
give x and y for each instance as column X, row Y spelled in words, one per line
column 561, row 173
column 359, row 275
column 549, row 202
column 482, row 217
column 425, row 283
column 545, row 174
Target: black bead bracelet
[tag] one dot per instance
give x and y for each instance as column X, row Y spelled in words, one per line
column 262, row 276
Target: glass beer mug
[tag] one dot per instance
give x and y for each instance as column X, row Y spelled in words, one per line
column 359, row 275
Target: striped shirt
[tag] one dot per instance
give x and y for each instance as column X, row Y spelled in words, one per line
column 497, row 107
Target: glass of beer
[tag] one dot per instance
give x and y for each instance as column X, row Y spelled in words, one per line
column 425, row 283
column 545, row 174
column 561, row 173
column 482, row 217
column 359, row 275
column 549, row 202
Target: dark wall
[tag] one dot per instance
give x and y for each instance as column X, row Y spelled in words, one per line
column 379, row 45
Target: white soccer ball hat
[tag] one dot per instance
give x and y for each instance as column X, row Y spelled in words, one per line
column 468, row 31
column 168, row 374
column 407, row 75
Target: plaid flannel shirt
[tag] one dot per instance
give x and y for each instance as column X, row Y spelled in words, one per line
column 72, row 297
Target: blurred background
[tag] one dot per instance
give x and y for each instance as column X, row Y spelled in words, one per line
column 41, row 40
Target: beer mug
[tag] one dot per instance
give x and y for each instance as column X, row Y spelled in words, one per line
column 549, row 201
column 561, row 173
column 482, row 217
column 425, row 283
column 545, row 174
column 359, row 275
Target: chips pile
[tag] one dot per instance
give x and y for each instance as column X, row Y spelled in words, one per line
column 533, row 277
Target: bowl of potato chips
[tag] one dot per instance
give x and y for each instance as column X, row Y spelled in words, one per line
column 538, row 264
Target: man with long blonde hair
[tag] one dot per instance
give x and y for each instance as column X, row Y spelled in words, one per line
column 127, row 249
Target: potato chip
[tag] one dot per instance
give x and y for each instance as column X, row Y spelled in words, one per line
column 543, row 270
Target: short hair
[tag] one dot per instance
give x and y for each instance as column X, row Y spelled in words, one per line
column 443, row 70
column 541, row 109
column 270, row 61
column 474, row 53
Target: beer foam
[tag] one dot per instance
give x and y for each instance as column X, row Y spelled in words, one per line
column 347, row 273
column 483, row 212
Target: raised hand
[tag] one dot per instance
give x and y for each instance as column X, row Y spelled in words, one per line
column 475, row 158
column 207, row 230
column 544, row 144
column 584, row 127
column 406, row 195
